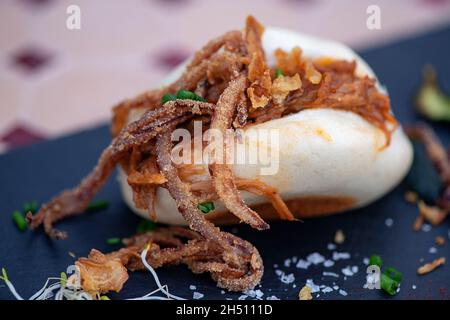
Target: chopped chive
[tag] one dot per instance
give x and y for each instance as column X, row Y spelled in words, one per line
column 278, row 73
column 63, row 280
column 375, row 260
column 145, row 225
column 97, row 205
column 31, row 206
column 393, row 274
column 168, row 97
column 186, row 94
column 19, row 220
column 389, row 285
column 206, row 207
column 104, row 298
column 113, row 241
column 4, row 275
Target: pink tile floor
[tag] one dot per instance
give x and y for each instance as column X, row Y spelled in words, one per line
column 54, row 81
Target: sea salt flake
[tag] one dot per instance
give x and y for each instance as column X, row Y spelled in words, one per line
column 192, row 287
column 414, row 287
column 328, row 263
column 243, row 297
column 302, row 264
column 343, row 292
column 389, row 222
column 355, row 269
column 197, row 295
column 315, row 258
column 426, row 227
column 432, row 250
column 314, row 288
column 336, row 287
column 347, row 271
column 340, row 256
column 287, row 263
column 327, row 289
column 330, row 274
column 366, row 261
column 331, row 246
column 272, row 298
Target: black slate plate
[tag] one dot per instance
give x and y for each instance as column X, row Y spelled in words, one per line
column 40, row 171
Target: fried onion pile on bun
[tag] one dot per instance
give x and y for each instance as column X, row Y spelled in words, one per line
column 340, row 147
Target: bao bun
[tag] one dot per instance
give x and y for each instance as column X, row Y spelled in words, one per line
column 330, row 160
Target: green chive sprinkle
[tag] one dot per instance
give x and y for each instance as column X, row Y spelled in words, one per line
column 186, row 94
column 97, row 205
column 145, row 225
column 389, row 285
column 4, row 275
column 63, row 278
column 375, row 260
column 278, row 73
column 31, row 206
column 168, row 97
column 19, row 220
column 393, row 274
column 104, row 298
column 113, row 241
column 206, row 207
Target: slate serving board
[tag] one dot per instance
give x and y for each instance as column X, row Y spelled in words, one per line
column 42, row 170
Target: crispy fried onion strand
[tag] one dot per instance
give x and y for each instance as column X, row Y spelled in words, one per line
column 75, row 201
column 194, row 73
column 174, row 245
column 222, row 175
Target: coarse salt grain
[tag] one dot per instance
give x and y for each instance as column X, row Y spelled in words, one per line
column 343, row 292
column 327, row 289
column 272, row 298
column 432, row 250
column 192, row 287
column 366, row 261
column 389, row 222
column 426, row 227
column 347, row 271
column 197, row 295
column 314, row 288
column 331, row 246
column 340, row 256
column 302, row 264
column 328, row 263
column 315, row 258
column 330, row 274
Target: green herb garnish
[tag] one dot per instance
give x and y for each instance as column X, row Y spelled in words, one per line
column 31, row 206
column 19, row 220
column 206, row 207
column 278, row 73
column 97, row 205
column 389, row 285
column 168, row 97
column 145, row 225
column 4, row 276
column 113, row 241
column 375, row 260
column 390, row 279
column 186, row 94
column 393, row 274
column 63, row 279
column 104, row 298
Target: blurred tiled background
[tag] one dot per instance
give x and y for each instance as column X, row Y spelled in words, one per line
column 54, row 80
